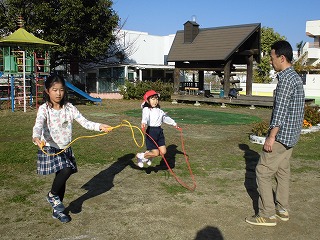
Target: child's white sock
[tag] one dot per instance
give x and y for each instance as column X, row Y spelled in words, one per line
column 140, row 156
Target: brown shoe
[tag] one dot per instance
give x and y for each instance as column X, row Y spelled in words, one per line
column 283, row 215
column 262, row 221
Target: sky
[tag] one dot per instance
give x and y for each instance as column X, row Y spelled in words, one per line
column 164, row 17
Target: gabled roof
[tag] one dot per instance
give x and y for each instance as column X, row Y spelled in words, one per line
column 217, row 44
column 23, row 37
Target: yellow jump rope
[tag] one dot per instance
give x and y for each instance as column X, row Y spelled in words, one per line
column 124, row 123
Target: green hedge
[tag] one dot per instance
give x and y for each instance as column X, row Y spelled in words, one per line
column 136, row 90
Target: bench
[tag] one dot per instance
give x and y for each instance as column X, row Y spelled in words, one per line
column 191, row 90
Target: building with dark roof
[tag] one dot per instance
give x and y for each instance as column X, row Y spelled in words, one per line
column 216, row 49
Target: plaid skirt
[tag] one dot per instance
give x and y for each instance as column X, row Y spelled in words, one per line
column 51, row 164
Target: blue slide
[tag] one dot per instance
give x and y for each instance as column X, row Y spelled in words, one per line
column 82, row 93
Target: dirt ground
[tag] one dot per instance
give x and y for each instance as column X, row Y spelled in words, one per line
column 119, row 201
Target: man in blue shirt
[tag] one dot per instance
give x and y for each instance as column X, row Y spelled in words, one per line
column 285, row 127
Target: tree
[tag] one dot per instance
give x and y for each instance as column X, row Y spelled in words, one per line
column 304, row 69
column 299, row 46
column 83, row 29
column 3, row 20
column 268, row 37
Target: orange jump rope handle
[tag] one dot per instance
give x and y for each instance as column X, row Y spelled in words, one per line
column 43, row 143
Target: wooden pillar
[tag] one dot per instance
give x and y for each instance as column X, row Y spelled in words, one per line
column 226, row 80
column 249, row 75
column 176, row 80
column 201, row 80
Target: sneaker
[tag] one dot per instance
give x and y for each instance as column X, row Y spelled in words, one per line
column 141, row 159
column 262, row 221
column 140, row 156
column 282, row 215
column 55, row 202
column 140, row 163
column 149, row 162
column 61, row 216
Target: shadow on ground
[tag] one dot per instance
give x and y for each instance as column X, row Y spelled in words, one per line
column 169, row 160
column 103, row 181
column 251, row 157
column 100, row 183
column 209, row 232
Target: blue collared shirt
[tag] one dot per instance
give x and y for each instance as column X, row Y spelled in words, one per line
column 288, row 107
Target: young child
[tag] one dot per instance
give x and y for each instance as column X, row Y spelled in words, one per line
column 152, row 118
column 53, row 128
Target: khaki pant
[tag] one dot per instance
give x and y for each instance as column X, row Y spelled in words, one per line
column 272, row 165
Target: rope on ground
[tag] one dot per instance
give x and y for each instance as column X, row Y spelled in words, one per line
column 182, row 183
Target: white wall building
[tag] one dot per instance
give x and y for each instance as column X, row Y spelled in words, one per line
column 145, row 59
column 311, row 50
column 144, row 48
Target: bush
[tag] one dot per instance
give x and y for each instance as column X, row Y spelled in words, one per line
column 311, row 118
column 312, row 114
column 260, row 129
column 136, row 90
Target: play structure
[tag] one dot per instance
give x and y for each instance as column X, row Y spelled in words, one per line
column 24, row 67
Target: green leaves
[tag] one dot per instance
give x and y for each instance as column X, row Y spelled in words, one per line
column 83, row 29
column 268, row 37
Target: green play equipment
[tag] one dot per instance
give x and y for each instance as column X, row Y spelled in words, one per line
column 24, row 65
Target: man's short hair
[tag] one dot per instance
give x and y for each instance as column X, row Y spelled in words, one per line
column 284, row 48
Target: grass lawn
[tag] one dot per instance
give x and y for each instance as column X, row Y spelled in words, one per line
column 216, row 141
column 210, row 132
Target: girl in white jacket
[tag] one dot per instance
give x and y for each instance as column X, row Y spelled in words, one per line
column 152, row 118
column 53, row 128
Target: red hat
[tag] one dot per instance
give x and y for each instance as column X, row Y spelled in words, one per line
column 149, row 94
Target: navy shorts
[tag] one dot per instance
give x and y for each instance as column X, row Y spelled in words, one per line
column 156, row 133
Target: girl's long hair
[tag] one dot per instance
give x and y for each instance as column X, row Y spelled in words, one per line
column 52, row 79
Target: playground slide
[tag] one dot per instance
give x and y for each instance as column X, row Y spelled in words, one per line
column 82, row 93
